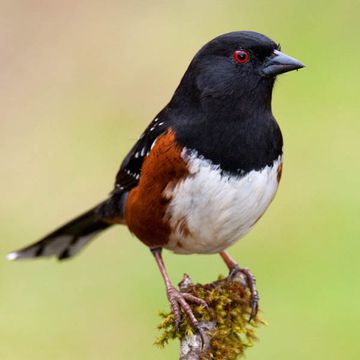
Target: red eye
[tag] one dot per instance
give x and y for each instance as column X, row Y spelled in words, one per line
column 241, row 56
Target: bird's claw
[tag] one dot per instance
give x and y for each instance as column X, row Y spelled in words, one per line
column 178, row 301
column 251, row 284
column 254, row 306
column 202, row 334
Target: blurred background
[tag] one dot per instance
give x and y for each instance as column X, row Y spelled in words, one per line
column 79, row 81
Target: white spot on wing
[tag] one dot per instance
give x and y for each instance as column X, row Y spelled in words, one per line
column 153, row 144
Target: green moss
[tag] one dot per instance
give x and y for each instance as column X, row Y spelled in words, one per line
column 228, row 303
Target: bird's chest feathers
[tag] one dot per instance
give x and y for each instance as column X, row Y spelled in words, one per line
column 209, row 210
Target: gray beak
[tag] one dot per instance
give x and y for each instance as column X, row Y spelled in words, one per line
column 280, row 63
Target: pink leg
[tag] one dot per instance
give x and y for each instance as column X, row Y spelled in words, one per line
column 177, row 299
column 229, row 261
column 250, row 281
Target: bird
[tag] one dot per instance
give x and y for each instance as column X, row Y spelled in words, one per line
column 203, row 172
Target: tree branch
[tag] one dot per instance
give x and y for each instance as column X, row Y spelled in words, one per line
column 192, row 346
column 225, row 328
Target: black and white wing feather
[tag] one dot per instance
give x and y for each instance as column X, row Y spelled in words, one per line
column 129, row 173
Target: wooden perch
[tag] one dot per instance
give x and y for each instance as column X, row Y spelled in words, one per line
column 192, row 346
column 226, row 331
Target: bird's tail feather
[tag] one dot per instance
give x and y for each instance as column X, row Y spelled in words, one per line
column 68, row 240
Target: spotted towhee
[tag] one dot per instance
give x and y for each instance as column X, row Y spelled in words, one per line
column 205, row 169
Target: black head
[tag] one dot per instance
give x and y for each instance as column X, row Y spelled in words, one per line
column 235, row 69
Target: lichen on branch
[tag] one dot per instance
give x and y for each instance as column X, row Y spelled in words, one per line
column 226, row 322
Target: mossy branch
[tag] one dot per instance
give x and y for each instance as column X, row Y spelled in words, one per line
column 227, row 332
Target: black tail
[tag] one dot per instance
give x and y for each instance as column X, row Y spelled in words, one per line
column 67, row 240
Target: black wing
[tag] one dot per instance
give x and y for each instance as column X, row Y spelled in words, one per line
column 129, row 173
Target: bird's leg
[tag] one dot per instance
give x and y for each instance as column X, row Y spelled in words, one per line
column 177, row 299
column 234, row 269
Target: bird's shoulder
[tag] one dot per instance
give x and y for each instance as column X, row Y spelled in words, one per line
column 129, row 173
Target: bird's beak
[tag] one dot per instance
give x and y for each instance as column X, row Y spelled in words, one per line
column 280, row 63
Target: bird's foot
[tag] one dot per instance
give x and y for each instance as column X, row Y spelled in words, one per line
column 251, row 284
column 179, row 300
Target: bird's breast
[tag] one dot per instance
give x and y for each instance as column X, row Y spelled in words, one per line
column 187, row 204
column 209, row 210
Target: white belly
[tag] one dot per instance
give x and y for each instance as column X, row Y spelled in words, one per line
column 209, row 211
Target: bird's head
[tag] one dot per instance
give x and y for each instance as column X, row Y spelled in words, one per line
column 234, row 68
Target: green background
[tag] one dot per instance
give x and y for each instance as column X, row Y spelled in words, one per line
column 79, row 81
